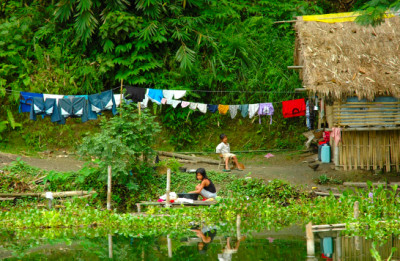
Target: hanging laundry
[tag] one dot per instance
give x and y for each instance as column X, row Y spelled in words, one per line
column 53, row 96
column 293, row 108
column 135, row 94
column 212, row 108
column 163, row 101
column 117, row 99
column 253, row 109
column 193, row 106
column 336, row 135
column 223, row 109
column 168, row 94
column 265, row 109
column 202, row 107
column 45, row 108
column 310, row 114
column 99, row 102
column 185, row 104
column 155, row 95
column 179, row 94
column 25, row 100
column 244, row 108
column 233, row 110
column 73, row 107
column 145, row 101
column 174, row 103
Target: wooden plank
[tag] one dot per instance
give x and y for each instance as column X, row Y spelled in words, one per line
column 195, row 203
column 382, row 128
column 368, row 103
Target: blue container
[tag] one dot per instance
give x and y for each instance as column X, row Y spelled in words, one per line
column 326, row 154
column 319, row 151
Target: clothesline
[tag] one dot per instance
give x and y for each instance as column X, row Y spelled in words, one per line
column 206, row 91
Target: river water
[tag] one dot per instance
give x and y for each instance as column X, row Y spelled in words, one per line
column 197, row 243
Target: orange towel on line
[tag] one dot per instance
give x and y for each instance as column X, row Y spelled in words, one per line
column 223, row 109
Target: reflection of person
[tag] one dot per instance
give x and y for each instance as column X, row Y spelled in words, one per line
column 206, row 188
column 225, row 152
column 228, row 250
column 206, row 234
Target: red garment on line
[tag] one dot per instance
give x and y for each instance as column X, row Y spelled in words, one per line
column 294, row 108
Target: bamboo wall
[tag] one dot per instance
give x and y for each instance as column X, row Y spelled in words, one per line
column 367, row 114
column 370, row 150
column 353, row 248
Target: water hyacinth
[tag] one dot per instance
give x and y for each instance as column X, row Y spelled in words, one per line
column 371, row 197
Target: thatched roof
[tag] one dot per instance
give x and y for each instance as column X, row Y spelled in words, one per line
column 347, row 59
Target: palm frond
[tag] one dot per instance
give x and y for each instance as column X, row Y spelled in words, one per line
column 185, row 56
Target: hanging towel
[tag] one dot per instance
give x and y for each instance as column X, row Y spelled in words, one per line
column 135, row 94
column 233, row 110
column 336, row 135
column 185, row 104
column 244, row 108
column 174, row 103
column 223, row 109
column 25, row 100
column 117, row 98
column 193, row 106
column 53, row 96
column 294, row 108
column 212, row 108
column 155, row 95
column 179, row 94
column 253, row 109
column 145, row 101
column 202, row 107
column 163, row 101
column 265, row 109
column 168, row 94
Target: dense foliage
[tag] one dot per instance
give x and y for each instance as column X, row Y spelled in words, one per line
column 83, row 47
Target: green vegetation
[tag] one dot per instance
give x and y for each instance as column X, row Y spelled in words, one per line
column 324, row 179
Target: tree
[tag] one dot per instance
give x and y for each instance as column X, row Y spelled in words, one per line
column 374, row 12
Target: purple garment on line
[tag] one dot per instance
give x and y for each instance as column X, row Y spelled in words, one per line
column 265, row 109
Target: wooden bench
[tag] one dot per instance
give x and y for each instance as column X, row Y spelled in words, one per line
column 195, row 203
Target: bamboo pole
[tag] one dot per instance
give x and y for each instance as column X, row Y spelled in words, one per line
column 109, row 188
column 43, row 195
column 169, row 243
column 167, row 203
column 139, row 108
column 120, row 99
column 238, row 222
column 310, row 242
column 110, row 246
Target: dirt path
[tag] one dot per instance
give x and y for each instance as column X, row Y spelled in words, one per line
column 290, row 166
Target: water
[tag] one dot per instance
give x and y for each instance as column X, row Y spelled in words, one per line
column 207, row 243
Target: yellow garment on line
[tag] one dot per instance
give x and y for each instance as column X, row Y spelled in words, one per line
column 336, row 18
column 223, row 109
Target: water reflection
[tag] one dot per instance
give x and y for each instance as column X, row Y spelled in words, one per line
column 334, row 246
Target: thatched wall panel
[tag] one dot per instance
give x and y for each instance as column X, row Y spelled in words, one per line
column 347, row 59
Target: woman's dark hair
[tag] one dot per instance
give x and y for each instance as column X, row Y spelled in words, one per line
column 202, row 171
column 222, row 136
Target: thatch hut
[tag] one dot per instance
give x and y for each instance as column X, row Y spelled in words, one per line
column 356, row 71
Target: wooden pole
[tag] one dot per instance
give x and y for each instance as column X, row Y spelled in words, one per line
column 110, row 246
column 338, row 245
column 238, row 222
column 167, row 204
column 109, row 188
column 139, row 108
column 120, row 99
column 169, row 246
column 310, row 242
column 356, row 215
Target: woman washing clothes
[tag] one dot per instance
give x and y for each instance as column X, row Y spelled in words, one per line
column 206, row 188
